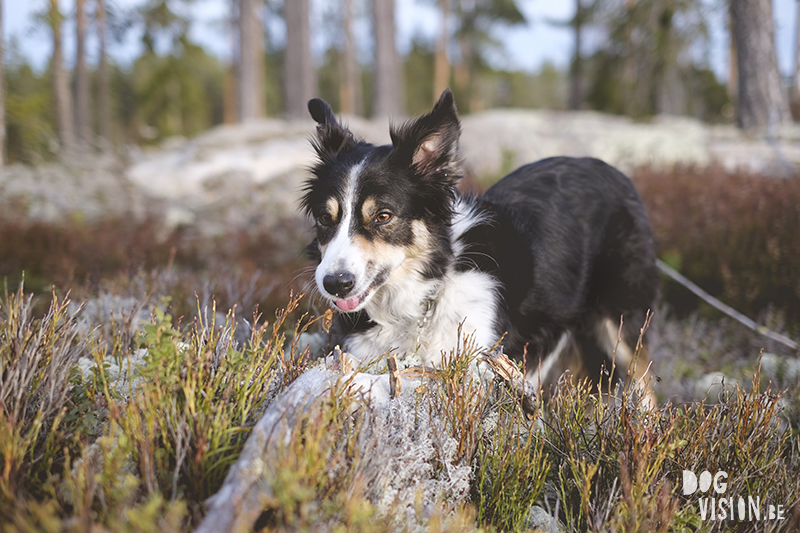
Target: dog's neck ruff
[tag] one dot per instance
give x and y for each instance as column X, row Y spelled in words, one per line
column 407, row 302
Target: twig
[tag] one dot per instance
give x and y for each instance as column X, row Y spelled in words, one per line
column 420, row 372
column 395, row 383
column 342, row 360
column 506, row 370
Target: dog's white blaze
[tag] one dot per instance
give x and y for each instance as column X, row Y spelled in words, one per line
column 340, row 255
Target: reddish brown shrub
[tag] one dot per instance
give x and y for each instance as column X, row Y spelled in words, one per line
column 737, row 235
column 138, row 257
column 76, row 252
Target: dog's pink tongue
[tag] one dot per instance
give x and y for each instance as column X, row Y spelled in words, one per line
column 348, row 304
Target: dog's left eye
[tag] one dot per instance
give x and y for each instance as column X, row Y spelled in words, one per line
column 383, row 217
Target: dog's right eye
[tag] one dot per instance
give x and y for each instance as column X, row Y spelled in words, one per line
column 325, row 219
column 383, row 217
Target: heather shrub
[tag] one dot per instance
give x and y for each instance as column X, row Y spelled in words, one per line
column 734, row 234
column 133, row 431
column 139, row 258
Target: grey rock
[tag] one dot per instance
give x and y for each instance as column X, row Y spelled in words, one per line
column 782, row 370
column 715, row 386
column 540, row 520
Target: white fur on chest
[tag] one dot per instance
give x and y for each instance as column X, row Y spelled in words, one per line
column 467, row 298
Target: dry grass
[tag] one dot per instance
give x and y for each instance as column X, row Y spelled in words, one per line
column 619, row 467
column 36, row 357
column 163, row 439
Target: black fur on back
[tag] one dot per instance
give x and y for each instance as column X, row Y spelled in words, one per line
column 570, row 242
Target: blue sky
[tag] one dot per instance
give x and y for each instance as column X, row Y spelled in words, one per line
column 526, row 47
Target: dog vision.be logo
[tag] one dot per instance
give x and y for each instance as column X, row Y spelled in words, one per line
column 718, row 506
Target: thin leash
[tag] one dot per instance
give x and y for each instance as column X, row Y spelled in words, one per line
column 728, row 310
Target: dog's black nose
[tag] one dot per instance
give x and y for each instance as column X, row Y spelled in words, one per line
column 339, row 284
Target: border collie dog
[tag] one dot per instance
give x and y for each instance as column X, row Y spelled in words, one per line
column 549, row 258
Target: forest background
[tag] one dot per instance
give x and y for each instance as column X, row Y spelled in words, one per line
column 105, row 73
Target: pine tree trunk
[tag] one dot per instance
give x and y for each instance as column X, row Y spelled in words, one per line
column 301, row 83
column 350, row 86
column 230, row 113
column 668, row 94
column 388, row 98
column 2, row 93
column 103, row 85
column 762, row 100
column 81, row 76
column 82, row 111
column 230, row 98
column 576, row 68
column 61, row 92
column 733, row 69
column 441, row 66
column 251, row 60
column 794, row 98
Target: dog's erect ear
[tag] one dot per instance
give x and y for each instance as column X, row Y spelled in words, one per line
column 320, row 111
column 430, row 143
column 332, row 137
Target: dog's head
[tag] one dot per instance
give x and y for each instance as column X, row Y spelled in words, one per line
column 381, row 212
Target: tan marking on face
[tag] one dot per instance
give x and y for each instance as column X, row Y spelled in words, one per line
column 403, row 260
column 332, row 207
column 376, row 249
column 420, row 247
column 368, row 209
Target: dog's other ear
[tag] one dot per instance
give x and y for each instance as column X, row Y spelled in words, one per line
column 332, row 137
column 430, row 143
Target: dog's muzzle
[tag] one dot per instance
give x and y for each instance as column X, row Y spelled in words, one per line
column 340, row 284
